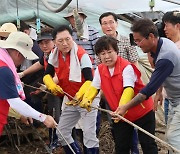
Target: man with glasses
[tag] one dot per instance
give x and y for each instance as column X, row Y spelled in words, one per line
column 109, row 24
column 166, row 57
column 74, row 71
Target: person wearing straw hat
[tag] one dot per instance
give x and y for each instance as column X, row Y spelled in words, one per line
column 13, row 51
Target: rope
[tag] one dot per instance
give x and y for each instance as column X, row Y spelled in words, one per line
column 170, row 147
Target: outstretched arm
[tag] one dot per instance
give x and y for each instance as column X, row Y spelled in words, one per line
column 24, row 109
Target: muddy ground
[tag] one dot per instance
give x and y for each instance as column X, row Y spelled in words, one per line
column 27, row 140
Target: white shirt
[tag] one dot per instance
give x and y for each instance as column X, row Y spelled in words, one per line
column 129, row 77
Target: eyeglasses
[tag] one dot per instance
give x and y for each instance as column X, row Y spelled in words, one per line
column 107, row 23
column 139, row 42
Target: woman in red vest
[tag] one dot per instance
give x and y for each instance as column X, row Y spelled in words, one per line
column 120, row 81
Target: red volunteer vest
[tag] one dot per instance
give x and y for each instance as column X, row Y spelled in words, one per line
column 4, row 108
column 113, row 89
column 63, row 73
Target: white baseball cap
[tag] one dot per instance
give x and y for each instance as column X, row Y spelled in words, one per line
column 21, row 42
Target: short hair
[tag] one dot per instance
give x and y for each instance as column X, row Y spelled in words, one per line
column 108, row 14
column 172, row 17
column 145, row 27
column 61, row 28
column 104, row 43
column 23, row 26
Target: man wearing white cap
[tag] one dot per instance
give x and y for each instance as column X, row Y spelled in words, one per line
column 13, row 51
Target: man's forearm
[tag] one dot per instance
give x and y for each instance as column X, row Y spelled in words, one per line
column 139, row 98
column 159, row 91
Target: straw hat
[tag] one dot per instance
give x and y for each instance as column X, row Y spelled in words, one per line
column 6, row 29
column 70, row 13
column 21, row 42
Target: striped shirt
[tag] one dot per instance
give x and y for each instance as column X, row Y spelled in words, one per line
column 88, row 45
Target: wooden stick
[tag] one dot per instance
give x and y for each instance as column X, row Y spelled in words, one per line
column 170, row 147
column 37, row 88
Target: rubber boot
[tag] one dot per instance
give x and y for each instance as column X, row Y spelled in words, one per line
column 53, row 138
column 94, row 150
column 74, row 146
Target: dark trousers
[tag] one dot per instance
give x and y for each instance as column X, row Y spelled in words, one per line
column 123, row 134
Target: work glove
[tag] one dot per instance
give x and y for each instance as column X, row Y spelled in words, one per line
column 127, row 95
column 79, row 95
column 51, row 85
column 72, row 103
column 88, row 98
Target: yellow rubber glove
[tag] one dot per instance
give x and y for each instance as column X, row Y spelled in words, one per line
column 51, row 85
column 88, row 98
column 127, row 95
column 79, row 94
column 82, row 90
column 72, row 103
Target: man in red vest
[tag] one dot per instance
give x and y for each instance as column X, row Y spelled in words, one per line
column 120, row 81
column 75, row 74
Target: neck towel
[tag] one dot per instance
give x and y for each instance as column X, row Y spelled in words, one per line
column 75, row 68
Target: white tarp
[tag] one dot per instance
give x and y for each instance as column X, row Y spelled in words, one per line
column 93, row 8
